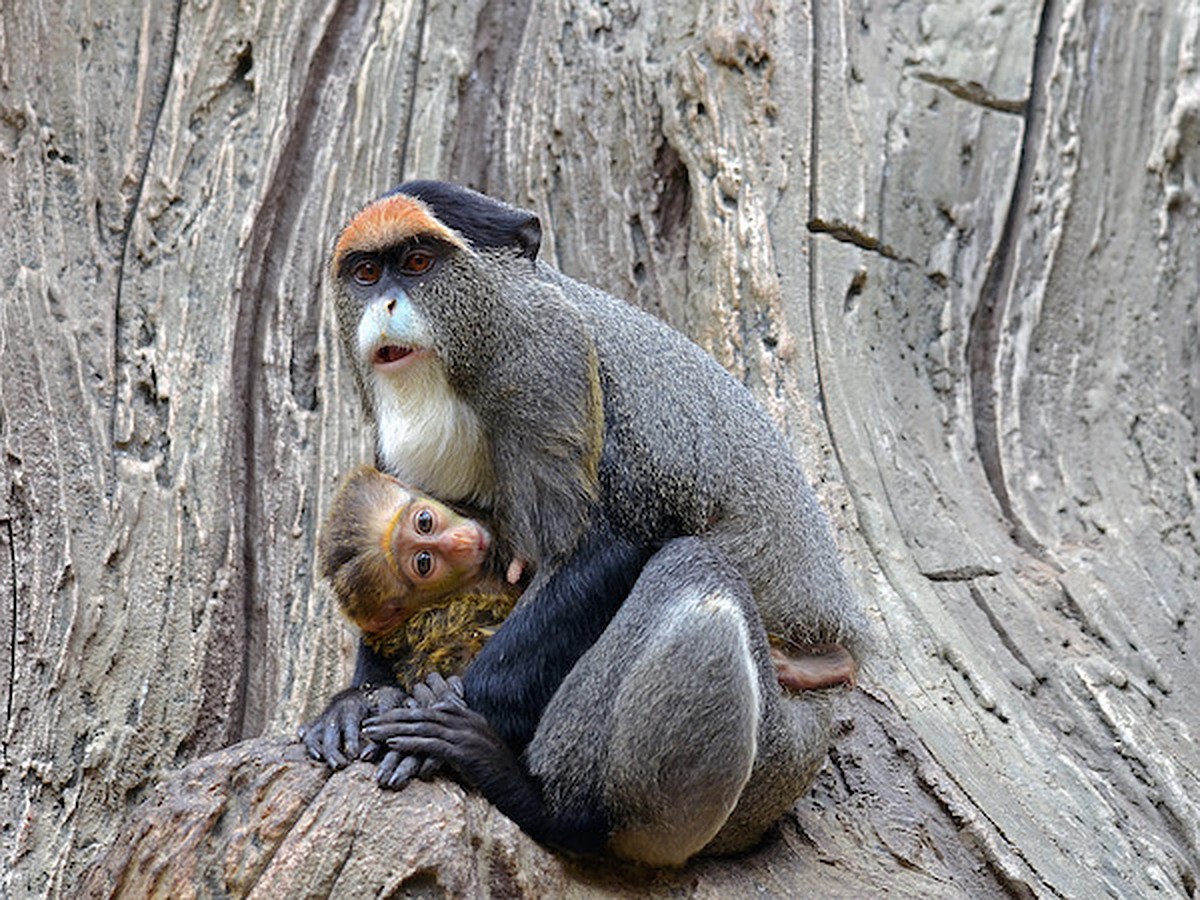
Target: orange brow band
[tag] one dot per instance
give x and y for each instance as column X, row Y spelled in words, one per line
column 385, row 542
column 390, row 221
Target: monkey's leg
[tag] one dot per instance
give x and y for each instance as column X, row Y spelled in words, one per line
column 792, row 744
column 657, row 724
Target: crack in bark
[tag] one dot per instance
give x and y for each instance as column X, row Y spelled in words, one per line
column 484, row 94
column 410, row 113
column 848, row 234
column 974, row 92
column 127, row 232
column 987, row 322
column 1006, row 639
column 814, row 133
column 12, row 648
column 263, row 270
column 961, row 573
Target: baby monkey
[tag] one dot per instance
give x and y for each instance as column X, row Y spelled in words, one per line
column 414, row 575
column 421, row 583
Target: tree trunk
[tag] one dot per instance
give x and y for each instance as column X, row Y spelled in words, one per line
column 950, row 247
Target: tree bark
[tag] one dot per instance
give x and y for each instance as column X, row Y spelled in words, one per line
column 950, row 247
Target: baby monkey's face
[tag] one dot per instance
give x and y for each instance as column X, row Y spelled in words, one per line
column 431, row 547
column 390, row 551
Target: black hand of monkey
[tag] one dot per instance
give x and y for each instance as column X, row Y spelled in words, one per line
column 334, row 736
column 397, row 768
column 447, row 731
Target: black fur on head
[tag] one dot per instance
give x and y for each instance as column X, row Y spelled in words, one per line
column 482, row 221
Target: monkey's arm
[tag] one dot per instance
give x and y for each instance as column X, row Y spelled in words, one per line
column 559, row 617
column 451, row 732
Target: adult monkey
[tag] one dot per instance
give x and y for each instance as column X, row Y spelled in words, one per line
column 647, row 721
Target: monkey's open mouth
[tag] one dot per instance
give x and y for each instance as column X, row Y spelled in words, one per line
column 391, row 353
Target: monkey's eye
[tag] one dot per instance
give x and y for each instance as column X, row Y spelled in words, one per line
column 417, row 262
column 366, row 272
column 424, row 522
column 423, row 563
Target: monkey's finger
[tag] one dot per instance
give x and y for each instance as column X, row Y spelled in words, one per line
column 387, row 697
column 423, row 727
column 516, row 569
column 429, row 768
column 437, row 685
column 350, row 721
column 424, row 695
column 414, row 747
column 331, row 745
column 371, row 751
column 308, row 734
column 396, row 770
column 452, row 700
column 456, row 684
column 385, row 723
column 313, row 735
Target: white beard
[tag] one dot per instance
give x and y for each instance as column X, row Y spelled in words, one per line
column 429, row 438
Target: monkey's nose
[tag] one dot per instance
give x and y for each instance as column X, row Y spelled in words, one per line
column 463, row 542
column 457, row 540
column 391, row 306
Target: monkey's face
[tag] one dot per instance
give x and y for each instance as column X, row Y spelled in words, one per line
column 410, row 278
column 382, row 259
column 392, row 336
column 389, row 551
column 434, row 549
column 421, row 277
column 431, row 553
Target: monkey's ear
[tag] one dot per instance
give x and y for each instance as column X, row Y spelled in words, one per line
column 528, row 236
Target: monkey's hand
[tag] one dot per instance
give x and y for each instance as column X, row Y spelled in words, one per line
column 450, row 732
column 455, row 734
column 334, row 737
column 515, row 570
column 397, row 767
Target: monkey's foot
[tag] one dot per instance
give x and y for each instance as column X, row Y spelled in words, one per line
column 810, row 667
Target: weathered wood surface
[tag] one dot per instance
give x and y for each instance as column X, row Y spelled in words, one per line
column 259, row 820
column 952, row 247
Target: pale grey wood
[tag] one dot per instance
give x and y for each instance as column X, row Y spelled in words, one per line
column 950, row 246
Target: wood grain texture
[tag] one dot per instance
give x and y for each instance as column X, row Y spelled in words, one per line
column 950, row 247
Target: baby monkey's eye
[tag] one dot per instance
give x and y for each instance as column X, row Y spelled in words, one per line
column 423, row 563
column 424, row 522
